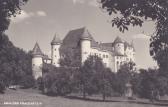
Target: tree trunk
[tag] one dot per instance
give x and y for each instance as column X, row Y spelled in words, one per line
column 84, row 92
column 104, row 97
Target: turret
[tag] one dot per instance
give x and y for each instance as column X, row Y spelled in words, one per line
column 119, row 46
column 133, row 51
column 37, row 61
column 55, row 50
column 85, row 45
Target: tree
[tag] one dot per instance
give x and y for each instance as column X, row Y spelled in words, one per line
column 95, row 78
column 57, row 81
column 123, row 76
column 70, row 57
column 9, row 8
column 15, row 64
column 148, row 83
column 104, row 82
column 27, row 82
column 86, row 77
column 135, row 12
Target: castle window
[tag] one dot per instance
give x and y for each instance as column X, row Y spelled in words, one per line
column 55, row 49
column 117, row 62
column 55, row 56
column 117, row 57
column 106, row 56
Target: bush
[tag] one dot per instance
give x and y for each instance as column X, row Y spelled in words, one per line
column 58, row 82
column 2, row 87
column 2, row 83
column 27, row 81
column 40, row 84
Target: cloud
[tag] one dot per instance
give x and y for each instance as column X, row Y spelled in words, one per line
column 41, row 13
column 24, row 15
column 141, row 36
column 87, row 2
column 93, row 3
column 78, row 1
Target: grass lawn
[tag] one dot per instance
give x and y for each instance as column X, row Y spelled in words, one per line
column 46, row 101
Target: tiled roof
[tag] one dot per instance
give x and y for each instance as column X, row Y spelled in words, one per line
column 85, row 34
column 106, row 46
column 37, row 50
column 118, row 40
column 126, row 44
column 73, row 38
column 56, row 40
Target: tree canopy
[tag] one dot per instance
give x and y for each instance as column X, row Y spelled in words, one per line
column 135, row 13
column 9, row 8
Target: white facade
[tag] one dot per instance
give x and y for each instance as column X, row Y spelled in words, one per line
column 55, row 54
column 113, row 54
column 112, row 60
column 37, row 63
column 85, row 49
column 119, row 48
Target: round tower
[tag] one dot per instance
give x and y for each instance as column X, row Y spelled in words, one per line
column 133, row 51
column 85, row 45
column 119, row 46
column 37, row 61
column 55, row 50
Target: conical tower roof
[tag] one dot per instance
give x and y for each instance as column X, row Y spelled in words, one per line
column 37, row 50
column 56, row 40
column 85, row 34
column 118, row 40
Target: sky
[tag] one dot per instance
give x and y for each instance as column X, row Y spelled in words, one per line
column 40, row 20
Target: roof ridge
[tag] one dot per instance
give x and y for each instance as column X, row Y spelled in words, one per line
column 37, row 50
column 56, row 40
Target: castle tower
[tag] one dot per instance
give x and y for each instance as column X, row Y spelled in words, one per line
column 85, row 45
column 55, row 50
column 133, row 51
column 37, row 61
column 119, row 46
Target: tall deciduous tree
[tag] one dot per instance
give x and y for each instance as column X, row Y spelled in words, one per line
column 95, row 78
column 9, row 8
column 135, row 12
column 15, row 64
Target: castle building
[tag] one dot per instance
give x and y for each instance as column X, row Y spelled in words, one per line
column 80, row 44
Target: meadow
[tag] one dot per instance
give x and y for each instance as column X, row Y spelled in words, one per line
column 41, row 100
